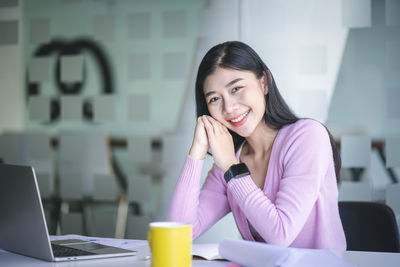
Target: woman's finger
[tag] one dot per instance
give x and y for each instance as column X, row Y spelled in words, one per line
column 218, row 127
column 200, row 144
column 209, row 127
column 222, row 128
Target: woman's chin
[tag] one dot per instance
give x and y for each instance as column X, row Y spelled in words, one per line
column 242, row 132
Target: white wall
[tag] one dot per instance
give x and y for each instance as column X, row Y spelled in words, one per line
column 12, row 103
column 302, row 42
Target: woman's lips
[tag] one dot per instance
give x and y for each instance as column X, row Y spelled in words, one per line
column 239, row 120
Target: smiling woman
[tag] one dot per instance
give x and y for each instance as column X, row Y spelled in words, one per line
column 276, row 173
column 240, row 100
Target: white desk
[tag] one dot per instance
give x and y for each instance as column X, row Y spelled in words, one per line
column 370, row 259
column 357, row 258
column 360, row 259
column 14, row 260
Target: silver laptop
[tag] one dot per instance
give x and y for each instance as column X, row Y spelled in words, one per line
column 23, row 228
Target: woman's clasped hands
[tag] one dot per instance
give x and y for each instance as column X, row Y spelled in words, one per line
column 211, row 134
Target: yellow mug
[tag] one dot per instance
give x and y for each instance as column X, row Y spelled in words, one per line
column 170, row 244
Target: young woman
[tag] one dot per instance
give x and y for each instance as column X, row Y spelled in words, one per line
column 275, row 172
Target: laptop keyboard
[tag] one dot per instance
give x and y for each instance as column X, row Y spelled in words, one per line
column 62, row 251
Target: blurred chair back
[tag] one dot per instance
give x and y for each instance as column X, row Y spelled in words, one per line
column 369, row 226
column 88, row 187
column 83, row 156
column 393, row 199
column 33, row 149
column 40, row 156
column 13, row 148
column 30, row 148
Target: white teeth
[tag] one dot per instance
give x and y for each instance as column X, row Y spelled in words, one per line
column 240, row 117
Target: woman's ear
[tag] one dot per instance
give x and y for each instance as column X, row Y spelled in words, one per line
column 264, row 83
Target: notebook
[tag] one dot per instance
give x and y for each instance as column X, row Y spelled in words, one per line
column 23, row 228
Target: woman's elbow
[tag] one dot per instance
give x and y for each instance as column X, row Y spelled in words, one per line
column 282, row 238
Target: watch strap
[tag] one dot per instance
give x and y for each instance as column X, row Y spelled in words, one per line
column 236, row 171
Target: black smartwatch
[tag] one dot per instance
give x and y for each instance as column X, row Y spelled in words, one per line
column 236, row 171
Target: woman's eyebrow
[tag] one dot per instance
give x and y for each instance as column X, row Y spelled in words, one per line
column 227, row 85
column 233, row 82
column 209, row 93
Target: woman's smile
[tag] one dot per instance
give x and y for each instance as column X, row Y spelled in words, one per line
column 240, row 119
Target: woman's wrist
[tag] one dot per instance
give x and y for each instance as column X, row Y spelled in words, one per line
column 226, row 167
column 197, row 153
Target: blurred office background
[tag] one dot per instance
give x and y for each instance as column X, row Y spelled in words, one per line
column 98, row 96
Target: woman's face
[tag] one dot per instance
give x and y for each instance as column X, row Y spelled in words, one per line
column 236, row 99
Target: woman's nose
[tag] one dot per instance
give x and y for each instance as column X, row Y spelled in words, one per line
column 229, row 105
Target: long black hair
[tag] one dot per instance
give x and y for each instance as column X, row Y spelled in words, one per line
column 239, row 56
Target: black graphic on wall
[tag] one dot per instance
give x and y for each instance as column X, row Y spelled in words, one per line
column 59, row 48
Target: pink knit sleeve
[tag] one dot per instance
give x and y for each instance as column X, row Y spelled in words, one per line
column 305, row 161
column 201, row 208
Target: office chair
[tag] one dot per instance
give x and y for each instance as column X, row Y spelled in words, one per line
column 33, row 148
column 369, row 226
column 87, row 183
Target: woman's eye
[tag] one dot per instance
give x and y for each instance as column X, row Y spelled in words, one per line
column 213, row 99
column 235, row 89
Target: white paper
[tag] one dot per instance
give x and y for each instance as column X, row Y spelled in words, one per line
column 206, row 251
column 256, row 254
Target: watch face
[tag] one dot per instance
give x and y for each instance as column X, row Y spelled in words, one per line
column 239, row 170
column 236, row 171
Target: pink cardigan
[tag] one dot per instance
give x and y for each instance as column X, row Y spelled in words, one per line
column 298, row 206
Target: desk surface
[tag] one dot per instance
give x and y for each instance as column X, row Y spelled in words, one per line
column 357, row 258
column 370, row 259
column 360, row 259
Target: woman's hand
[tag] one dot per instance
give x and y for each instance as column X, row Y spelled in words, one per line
column 200, row 144
column 220, row 142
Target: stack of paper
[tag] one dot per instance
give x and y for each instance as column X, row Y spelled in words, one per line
column 255, row 254
column 206, row 251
